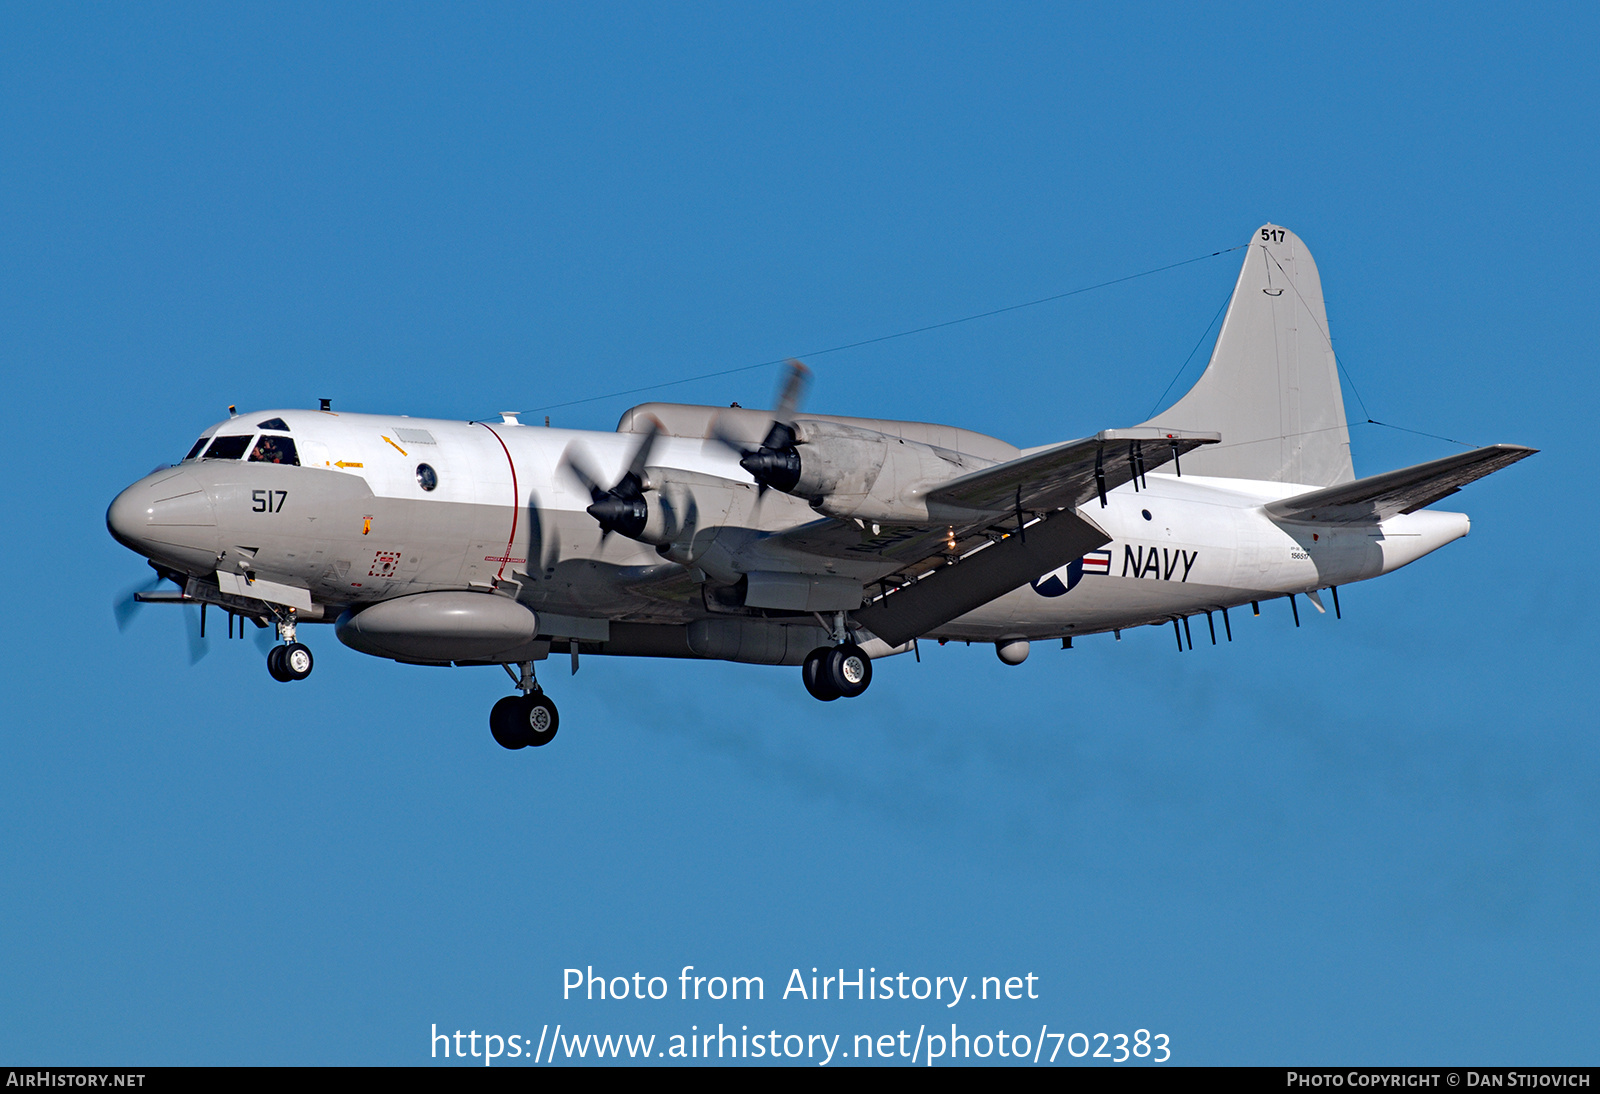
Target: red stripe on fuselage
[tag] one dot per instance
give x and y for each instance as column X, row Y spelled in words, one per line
column 516, row 503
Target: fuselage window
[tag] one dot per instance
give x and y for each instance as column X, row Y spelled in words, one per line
column 198, row 445
column 271, row 449
column 273, row 423
column 427, row 478
column 227, row 448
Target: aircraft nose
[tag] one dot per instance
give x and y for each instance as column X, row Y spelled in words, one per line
column 169, row 509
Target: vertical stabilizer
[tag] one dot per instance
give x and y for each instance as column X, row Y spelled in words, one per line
column 1272, row 387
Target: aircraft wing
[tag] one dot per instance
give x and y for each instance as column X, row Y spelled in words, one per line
column 1068, row 474
column 1379, row 497
column 970, row 551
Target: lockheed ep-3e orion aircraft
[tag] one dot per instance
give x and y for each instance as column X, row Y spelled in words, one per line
column 791, row 538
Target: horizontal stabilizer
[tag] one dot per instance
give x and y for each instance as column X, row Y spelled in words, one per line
column 950, row 591
column 1069, row 474
column 1379, row 497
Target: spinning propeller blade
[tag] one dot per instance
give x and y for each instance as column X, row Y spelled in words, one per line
column 773, row 462
column 621, row 508
column 125, row 606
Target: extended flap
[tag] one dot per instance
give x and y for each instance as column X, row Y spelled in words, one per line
column 950, row 591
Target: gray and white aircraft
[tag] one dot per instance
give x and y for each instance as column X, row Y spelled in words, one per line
column 790, row 538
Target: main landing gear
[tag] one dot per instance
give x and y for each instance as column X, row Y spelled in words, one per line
column 292, row 661
column 518, row 721
column 840, row 671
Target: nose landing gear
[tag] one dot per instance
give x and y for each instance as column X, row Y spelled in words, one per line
column 292, row 661
column 529, row 719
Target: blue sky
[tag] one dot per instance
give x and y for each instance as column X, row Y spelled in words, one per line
column 1372, row 840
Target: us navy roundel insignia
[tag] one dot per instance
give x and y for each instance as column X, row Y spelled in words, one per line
column 1051, row 584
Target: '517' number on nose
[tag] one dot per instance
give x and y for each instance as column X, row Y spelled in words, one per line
column 268, row 501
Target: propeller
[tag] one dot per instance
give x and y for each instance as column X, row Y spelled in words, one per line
column 774, row 462
column 620, row 508
column 127, row 605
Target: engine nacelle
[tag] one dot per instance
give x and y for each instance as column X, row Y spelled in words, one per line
column 686, row 512
column 864, row 475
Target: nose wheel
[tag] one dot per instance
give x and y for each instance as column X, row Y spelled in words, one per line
column 842, row 671
column 528, row 720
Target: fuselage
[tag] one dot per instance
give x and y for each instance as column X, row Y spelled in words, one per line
column 355, row 509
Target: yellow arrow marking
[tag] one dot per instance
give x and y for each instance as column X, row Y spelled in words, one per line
column 342, row 463
column 397, row 448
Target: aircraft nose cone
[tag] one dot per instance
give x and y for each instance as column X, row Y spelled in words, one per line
column 127, row 518
column 169, row 509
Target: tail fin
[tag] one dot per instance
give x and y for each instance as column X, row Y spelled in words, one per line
column 1272, row 387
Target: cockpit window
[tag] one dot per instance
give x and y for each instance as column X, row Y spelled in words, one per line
column 273, row 423
column 270, row 449
column 198, row 445
column 227, row 448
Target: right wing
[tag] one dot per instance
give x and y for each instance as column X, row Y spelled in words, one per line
column 1379, row 497
column 1069, row 474
column 953, row 590
column 993, row 530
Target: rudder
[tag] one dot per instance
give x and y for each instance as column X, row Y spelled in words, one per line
column 1272, row 385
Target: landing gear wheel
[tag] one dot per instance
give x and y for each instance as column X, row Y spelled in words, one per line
column 296, row 661
column 539, row 719
column 275, row 665
column 504, row 721
column 847, row 669
column 816, row 679
column 518, row 721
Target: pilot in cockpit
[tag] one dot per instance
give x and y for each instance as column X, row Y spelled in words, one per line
column 274, row 450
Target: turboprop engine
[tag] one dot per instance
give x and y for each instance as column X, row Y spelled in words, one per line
column 843, row 470
column 678, row 512
column 861, row 474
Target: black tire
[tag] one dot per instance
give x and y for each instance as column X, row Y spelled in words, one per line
column 847, row 670
column 816, row 680
column 296, row 661
column 539, row 720
column 275, row 666
column 505, row 722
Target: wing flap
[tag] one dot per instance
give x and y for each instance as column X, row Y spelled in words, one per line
column 949, row 591
column 1379, row 497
